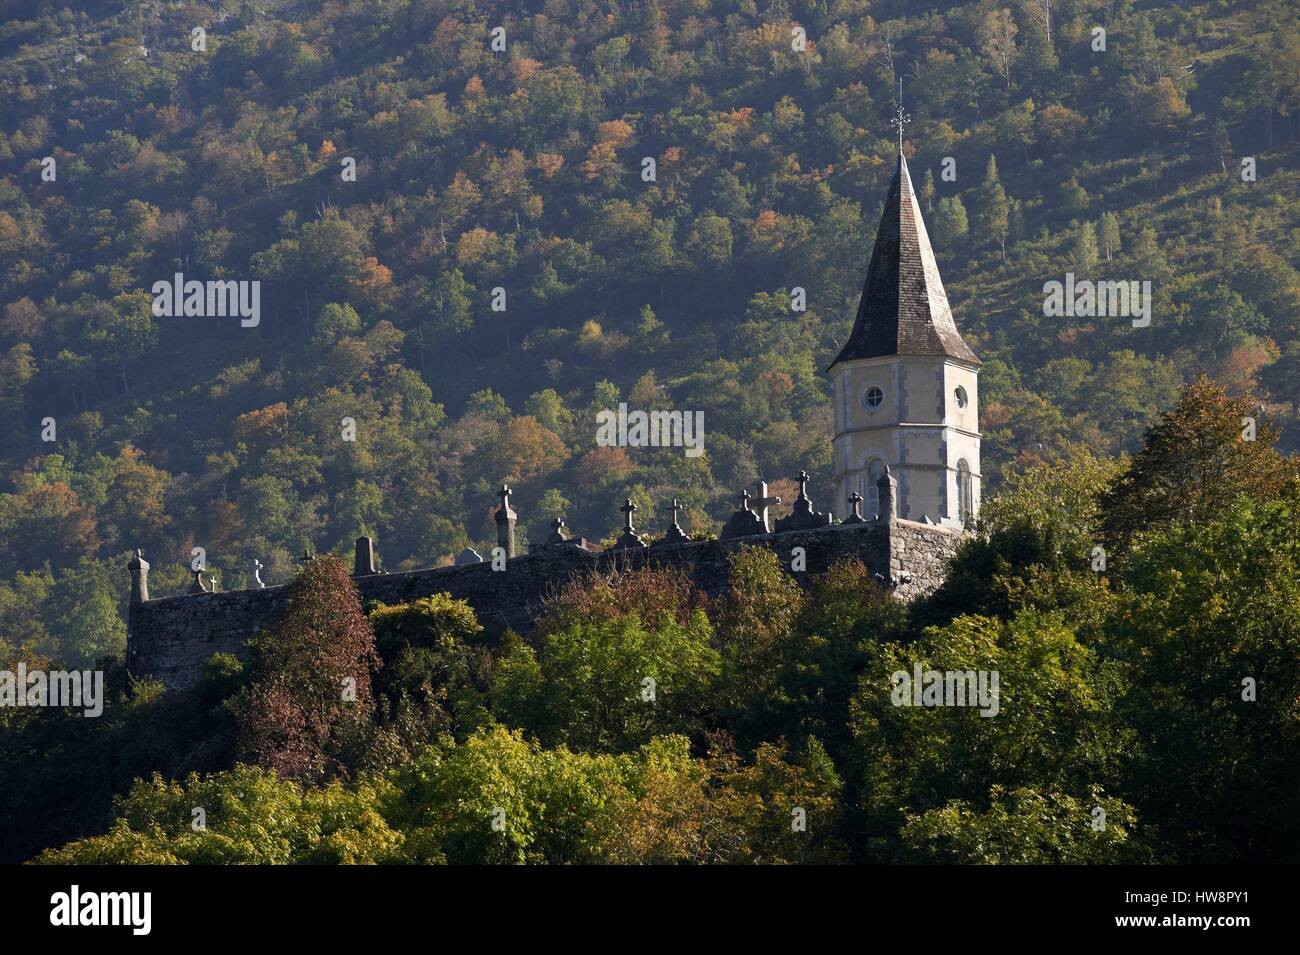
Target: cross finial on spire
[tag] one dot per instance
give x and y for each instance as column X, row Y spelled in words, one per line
column 901, row 118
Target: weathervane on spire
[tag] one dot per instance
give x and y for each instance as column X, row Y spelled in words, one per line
column 901, row 118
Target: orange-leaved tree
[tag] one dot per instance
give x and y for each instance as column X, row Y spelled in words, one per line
column 309, row 708
column 1194, row 461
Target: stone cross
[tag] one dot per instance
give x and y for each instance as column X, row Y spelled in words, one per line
column 802, row 515
column 629, row 539
column 506, row 519
column 674, row 534
column 761, row 504
column 559, row 533
column 855, row 501
column 212, row 580
column 255, row 582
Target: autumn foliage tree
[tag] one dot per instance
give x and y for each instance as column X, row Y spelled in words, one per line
column 1193, row 462
column 309, row 704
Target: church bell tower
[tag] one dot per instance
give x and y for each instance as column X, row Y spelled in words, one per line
column 905, row 383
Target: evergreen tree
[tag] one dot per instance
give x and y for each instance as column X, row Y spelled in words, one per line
column 994, row 219
column 950, row 223
column 1085, row 249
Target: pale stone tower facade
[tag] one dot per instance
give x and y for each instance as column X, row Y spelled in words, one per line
column 906, row 395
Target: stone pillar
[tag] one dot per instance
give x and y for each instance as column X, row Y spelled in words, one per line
column 363, row 564
column 888, row 488
column 139, row 568
column 506, row 519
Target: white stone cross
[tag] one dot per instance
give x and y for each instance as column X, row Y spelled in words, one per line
column 760, row 504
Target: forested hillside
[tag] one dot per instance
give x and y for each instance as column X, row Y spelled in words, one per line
column 1145, row 711
column 522, row 170
column 621, row 202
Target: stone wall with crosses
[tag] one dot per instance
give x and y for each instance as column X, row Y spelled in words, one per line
column 172, row 638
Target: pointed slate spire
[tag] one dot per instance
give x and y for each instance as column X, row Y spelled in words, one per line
column 904, row 309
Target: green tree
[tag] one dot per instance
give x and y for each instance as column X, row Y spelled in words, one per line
column 1053, row 730
column 610, row 686
column 994, row 216
column 1084, row 254
column 1109, row 234
column 124, row 332
column 1210, row 631
column 951, row 224
column 251, row 817
column 83, row 613
column 1027, row 827
column 755, row 624
column 335, row 321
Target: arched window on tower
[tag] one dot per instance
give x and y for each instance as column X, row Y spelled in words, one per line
column 965, row 492
column 875, row 471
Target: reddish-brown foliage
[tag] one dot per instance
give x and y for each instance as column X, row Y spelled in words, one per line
column 310, row 703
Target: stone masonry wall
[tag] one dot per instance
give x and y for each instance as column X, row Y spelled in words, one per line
column 172, row 638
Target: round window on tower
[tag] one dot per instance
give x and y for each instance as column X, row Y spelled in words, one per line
column 872, row 398
column 960, row 395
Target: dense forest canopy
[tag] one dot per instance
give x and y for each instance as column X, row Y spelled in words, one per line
column 1145, row 712
column 522, row 171
column 501, row 268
